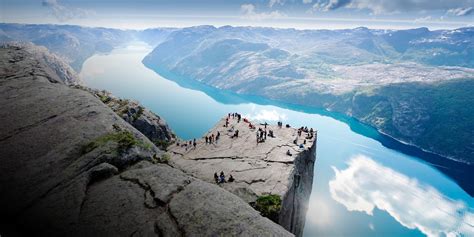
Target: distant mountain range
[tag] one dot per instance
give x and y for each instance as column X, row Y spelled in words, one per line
column 414, row 85
column 74, row 44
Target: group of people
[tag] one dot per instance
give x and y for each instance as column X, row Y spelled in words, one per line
column 187, row 144
column 262, row 135
column 310, row 132
column 251, row 126
column 212, row 138
column 235, row 115
column 309, row 136
column 280, row 125
column 221, row 178
column 236, row 134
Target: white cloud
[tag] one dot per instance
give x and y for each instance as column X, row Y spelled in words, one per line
column 271, row 3
column 249, row 12
column 423, row 19
column 395, row 6
column 366, row 185
column 267, row 115
column 461, row 11
column 63, row 13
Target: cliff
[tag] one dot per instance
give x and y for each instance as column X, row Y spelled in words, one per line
column 72, row 166
column 259, row 169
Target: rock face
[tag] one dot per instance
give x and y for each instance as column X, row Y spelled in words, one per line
column 52, row 64
column 148, row 123
column 258, row 168
column 72, row 166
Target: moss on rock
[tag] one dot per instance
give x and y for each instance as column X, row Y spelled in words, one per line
column 269, row 206
column 124, row 140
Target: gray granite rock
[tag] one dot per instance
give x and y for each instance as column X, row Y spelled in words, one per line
column 148, row 123
column 72, row 166
column 258, row 168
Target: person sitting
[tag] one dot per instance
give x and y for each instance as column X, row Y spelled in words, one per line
column 236, row 134
column 288, row 153
column 222, row 177
column 231, row 179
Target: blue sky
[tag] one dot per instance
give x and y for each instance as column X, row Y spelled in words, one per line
column 302, row 14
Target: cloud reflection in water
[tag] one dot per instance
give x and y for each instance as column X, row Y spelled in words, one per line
column 366, row 185
column 267, row 115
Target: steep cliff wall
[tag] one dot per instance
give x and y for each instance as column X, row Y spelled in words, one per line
column 295, row 202
column 259, row 169
column 72, row 166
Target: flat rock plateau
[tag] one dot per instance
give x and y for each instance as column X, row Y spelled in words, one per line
column 259, row 169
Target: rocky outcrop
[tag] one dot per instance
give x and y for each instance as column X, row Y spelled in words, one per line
column 148, row 123
column 56, row 68
column 72, row 166
column 259, row 169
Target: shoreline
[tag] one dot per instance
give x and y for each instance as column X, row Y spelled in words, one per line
column 193, row 84
column 456, row 170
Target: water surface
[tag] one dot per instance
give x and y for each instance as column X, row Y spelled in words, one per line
column 361, row 187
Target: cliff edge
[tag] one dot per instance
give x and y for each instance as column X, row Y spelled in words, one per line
column 72, row 166
column 280, row 164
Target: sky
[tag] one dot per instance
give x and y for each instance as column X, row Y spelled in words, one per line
column 299, row 14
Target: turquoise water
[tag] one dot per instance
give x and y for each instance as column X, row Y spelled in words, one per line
column 361, row 187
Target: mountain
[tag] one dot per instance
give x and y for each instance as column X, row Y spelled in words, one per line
column 412, row 85
column 154, row 36
column 74, row 44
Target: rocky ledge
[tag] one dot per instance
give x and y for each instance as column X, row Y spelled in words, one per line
column 261, row 170
column 71, row 166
